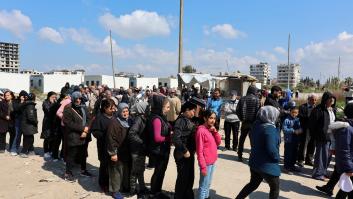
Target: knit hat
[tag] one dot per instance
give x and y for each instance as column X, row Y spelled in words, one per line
column 348, row 110
column 50, row 94
column 23, row 93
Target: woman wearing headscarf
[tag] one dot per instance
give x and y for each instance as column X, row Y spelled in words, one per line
column 48, row 124
column 76, row 119
column 264, row 156
column 137, row 138
column 118, row 150
column 99, row 130
column 159, row 141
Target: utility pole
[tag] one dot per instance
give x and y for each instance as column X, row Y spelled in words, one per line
column 339, row 67
column 180, row 61
column 111, row 52
column 288, row 60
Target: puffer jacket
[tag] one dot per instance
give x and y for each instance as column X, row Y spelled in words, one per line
column 344, row 147
column 229, row 109
column 248, row 106
column 137, row 136
column 184, row 137
column 29, row 122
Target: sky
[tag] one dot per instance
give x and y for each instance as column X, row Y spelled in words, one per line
column 219, row 36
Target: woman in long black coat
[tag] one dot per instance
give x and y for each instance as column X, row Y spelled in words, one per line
column 76, row 119
column 99, row 130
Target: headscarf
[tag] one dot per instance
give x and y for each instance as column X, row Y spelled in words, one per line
column 139, row 108
column 123, row 121
column 79, row 108
column 268, row 114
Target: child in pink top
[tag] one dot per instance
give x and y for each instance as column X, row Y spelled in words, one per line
column 207, row 140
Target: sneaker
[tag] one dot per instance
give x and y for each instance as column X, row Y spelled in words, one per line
column 23, row 155
column 300, row 164
column 117, row 195
column 69, row 177
column 85, row 173
column 325, row 190
column 14, row 153
column 309, row 163
column 31, row 153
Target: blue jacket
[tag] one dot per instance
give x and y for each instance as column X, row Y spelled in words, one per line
column 264, row 155
column 215, row 105
column 344, row 149
column 290, row 124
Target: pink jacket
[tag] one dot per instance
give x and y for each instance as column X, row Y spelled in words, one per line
column 60, row 111
column 206, row 147
column 157, row 128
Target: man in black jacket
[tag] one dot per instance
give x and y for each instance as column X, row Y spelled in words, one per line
column 272, row 99
column 247, row 109
column 320, row 118
column 184, row 153
column 305, row 139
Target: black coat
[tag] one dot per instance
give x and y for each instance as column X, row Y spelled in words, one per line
column 74, row 126
column 29, row 121
column 137, row 136
column 4, row 123
column 248, row 107
column 304, row 116
column 99, row 129
column 116, row 141
column 183, row 137
column 320, row 119
column 49, row 125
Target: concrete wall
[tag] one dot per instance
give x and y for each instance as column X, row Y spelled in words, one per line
column 107, row 80
column 168, row 82
column 143, row 82
column 15, row 82
column 54, row 82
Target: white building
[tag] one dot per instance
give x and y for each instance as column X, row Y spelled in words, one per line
column 262, row 72
column 107, row 80
column 54, row 82
column 15, row 81
column 31, row 72
column 291, row 73
column 9, row 57
column 143, row 82
column 169, row 82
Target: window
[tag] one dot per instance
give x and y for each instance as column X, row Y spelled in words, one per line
column 31, row 82
column 165, row 84
column 40, row 82
column 92, row 83
column 97, row 83
column 87, row 83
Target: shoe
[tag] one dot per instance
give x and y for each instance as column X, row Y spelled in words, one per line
column 234, row 149
column 325, row 190
column 240, row 159
column 85, row 173
column 31, row 153
column 69, row 177
column 300, row 164
column 47, row 156
column 287, row 171
column 117, row 195
column 309, row 163
column 22, row 155
column 55, row 160
column 14, row 153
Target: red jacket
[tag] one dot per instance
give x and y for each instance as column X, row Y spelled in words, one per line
column 206, row 147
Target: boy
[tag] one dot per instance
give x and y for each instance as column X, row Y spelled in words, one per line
column 291, row 130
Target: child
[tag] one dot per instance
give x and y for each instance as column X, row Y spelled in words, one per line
column 207, row 141
column 291, row 130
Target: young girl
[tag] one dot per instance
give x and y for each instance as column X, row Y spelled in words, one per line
column 207, row 141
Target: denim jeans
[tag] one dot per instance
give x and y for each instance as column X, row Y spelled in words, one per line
column 17, row 141
column 205, row 182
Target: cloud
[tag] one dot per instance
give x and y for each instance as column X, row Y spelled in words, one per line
column 226, row 31
column 137, row 25
column 15, row 22
column 280, row 50
column 323, row 56
column 50, row 34
column 267, row 56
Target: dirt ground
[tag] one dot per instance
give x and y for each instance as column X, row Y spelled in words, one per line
column 35, row 178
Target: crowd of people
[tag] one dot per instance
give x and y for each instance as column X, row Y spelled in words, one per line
column 134, row 125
